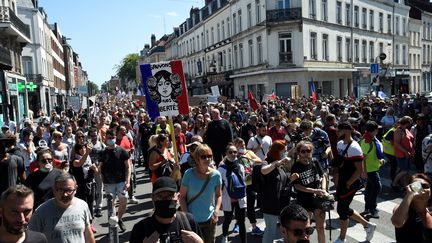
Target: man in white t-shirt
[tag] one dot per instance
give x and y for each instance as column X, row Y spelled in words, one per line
column 261, row 142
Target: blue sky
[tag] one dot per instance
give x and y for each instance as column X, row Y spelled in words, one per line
column 102, row 32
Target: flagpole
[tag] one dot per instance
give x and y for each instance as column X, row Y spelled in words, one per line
column 176, row 173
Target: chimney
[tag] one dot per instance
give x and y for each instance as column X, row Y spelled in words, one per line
column 153, row 40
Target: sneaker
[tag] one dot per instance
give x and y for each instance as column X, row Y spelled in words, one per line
column 257, row 231
column 92, row 228
column 339, row 241
column 365, row 213
column 133, row 200
column 121, row 226
column 236, row 228
column 98, row 213
column 224, row 239
column 375, row 214
column 370, row 230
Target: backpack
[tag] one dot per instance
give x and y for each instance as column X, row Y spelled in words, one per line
column 235, row 187
column 166, row 168
column 247, row 164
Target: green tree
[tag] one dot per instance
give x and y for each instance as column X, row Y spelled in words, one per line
column 126, row 70
column 93, row 88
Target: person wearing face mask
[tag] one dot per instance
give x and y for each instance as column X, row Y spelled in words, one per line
column 295, row 224
column 166, row 224
column 228, row 168
column 249, row 160
column 64, row 218
column 41, row 180
column 276, row 180
column 115, row 169
column 411, row 218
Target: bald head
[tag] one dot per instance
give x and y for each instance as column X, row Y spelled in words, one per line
column 215, row 114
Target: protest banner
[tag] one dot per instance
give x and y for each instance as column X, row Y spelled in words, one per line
column 165, row 88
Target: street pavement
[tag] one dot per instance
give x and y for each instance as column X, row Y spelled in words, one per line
column 383, row 234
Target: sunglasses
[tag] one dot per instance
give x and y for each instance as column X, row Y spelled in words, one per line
column 232, row 152
column 206, row 156
column 301, row 232
column 305, row 151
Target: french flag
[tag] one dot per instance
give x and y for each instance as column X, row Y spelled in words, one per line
column 313, row 93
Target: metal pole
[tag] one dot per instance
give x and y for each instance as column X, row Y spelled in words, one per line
column 112, row 221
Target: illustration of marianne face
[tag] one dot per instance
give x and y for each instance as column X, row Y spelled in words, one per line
column 164, row 87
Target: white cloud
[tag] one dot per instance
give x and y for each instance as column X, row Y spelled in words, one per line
column 174, row 14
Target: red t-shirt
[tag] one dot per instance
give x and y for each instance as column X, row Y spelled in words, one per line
column 180, row 142
column 125, row 143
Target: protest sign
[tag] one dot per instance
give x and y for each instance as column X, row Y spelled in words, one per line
column 165, row 88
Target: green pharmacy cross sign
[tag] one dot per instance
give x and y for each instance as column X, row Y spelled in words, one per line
column 30, row 86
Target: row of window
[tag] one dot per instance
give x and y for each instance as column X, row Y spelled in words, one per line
column 363, row 18
column 427, row 55
column 363, row 52
column 226, row 60
column 221, row 31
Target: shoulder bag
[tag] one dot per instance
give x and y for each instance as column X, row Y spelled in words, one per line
column 200, row 192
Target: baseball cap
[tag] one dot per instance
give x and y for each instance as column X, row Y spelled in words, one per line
column 5, row 126
column 164, row 184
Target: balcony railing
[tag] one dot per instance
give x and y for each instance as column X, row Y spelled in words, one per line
column 285, row 57
column 287, row 14
column 7, row 15
column 5, row 58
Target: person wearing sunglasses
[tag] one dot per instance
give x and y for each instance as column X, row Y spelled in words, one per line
column 64, row 218
column 412, row 218
column 311, row 183
column 294, row 224
column 229, row 168
column 42, row 179
column 200, row 192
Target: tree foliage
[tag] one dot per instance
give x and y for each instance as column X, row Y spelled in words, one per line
column 126, row 70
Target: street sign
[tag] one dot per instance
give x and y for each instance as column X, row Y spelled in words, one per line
column 382, row 56
column 82, row 89
column 374, row 68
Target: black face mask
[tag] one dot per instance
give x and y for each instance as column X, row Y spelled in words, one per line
column 165, row 208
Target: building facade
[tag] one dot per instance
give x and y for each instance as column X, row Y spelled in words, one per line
column 14, row 36
column 284, row 45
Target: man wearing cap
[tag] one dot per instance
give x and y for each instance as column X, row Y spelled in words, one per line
column 350, row 171
column 5, row 129
column 166, row 224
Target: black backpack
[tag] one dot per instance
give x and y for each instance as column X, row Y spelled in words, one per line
column 166, row 168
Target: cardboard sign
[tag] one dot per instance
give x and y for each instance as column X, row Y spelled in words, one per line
column 165, row 88
column 215, row 90
column 74, row 102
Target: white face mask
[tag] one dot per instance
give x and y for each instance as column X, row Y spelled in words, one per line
column 242, row 151
column 46, row 167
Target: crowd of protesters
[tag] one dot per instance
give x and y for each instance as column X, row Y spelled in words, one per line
column 285, row 158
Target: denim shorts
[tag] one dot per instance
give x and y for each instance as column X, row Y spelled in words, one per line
column 117, row 189
column 404, row 163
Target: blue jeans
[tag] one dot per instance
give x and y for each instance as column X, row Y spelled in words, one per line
column 271, row 231
column 373, row 188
